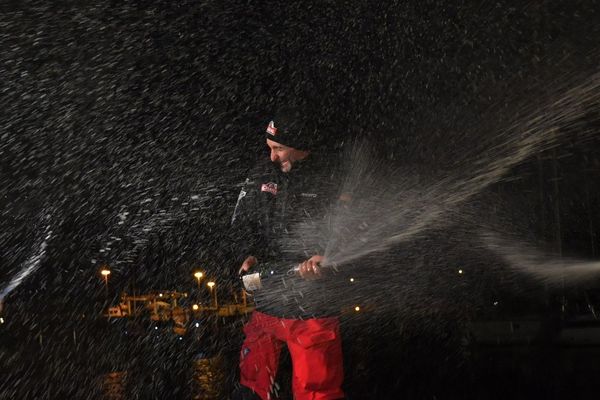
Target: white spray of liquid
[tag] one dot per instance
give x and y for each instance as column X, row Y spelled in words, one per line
column 542, row 266
column 388, row 210
column 29, row 266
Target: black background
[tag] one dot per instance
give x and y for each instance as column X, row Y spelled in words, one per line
column 104, row 105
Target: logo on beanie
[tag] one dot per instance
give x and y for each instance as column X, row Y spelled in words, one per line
column 271, row 130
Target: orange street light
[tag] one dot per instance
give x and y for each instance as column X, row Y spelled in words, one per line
column 195, row 307
column 105, row 272
column 211, row 285
column 198, row 275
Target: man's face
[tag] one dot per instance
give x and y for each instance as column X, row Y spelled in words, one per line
column 285, row 156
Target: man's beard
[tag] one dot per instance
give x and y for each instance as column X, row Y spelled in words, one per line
column 285, row 166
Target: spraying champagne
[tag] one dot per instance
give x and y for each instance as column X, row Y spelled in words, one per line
column 254, row 281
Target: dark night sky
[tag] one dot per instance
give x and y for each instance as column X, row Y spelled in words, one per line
column 137, row 120
column 105, row 105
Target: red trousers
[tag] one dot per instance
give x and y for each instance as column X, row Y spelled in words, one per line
column 315, row 347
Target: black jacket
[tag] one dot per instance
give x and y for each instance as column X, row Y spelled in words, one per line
column 282, row 220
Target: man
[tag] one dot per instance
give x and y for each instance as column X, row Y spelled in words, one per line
column 279, row 223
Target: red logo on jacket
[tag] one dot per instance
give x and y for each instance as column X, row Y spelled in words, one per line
column 270, row 187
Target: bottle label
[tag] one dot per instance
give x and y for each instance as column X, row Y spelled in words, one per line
column 252, row 281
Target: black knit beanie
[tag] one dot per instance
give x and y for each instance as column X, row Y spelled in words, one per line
column 295, row 127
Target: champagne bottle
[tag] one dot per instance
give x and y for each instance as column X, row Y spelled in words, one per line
column 252, row 280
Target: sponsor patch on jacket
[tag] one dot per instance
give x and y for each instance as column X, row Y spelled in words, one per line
column 313, row 195
column 270, row 187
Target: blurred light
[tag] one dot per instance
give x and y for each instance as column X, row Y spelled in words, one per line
column 1, row 320
column 195, row 307
column 357, row 308
column 197, row 325
column 156, row 327
column 198, row 274
column 210, row 284
column 351, row 279
column 161, row 295
column 460, row 271
column 272, row 272
column 495, row 303
column 105, row 272
column 180, row 338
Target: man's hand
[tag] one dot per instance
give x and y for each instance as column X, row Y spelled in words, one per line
column 311, row 269
column 248, row 263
